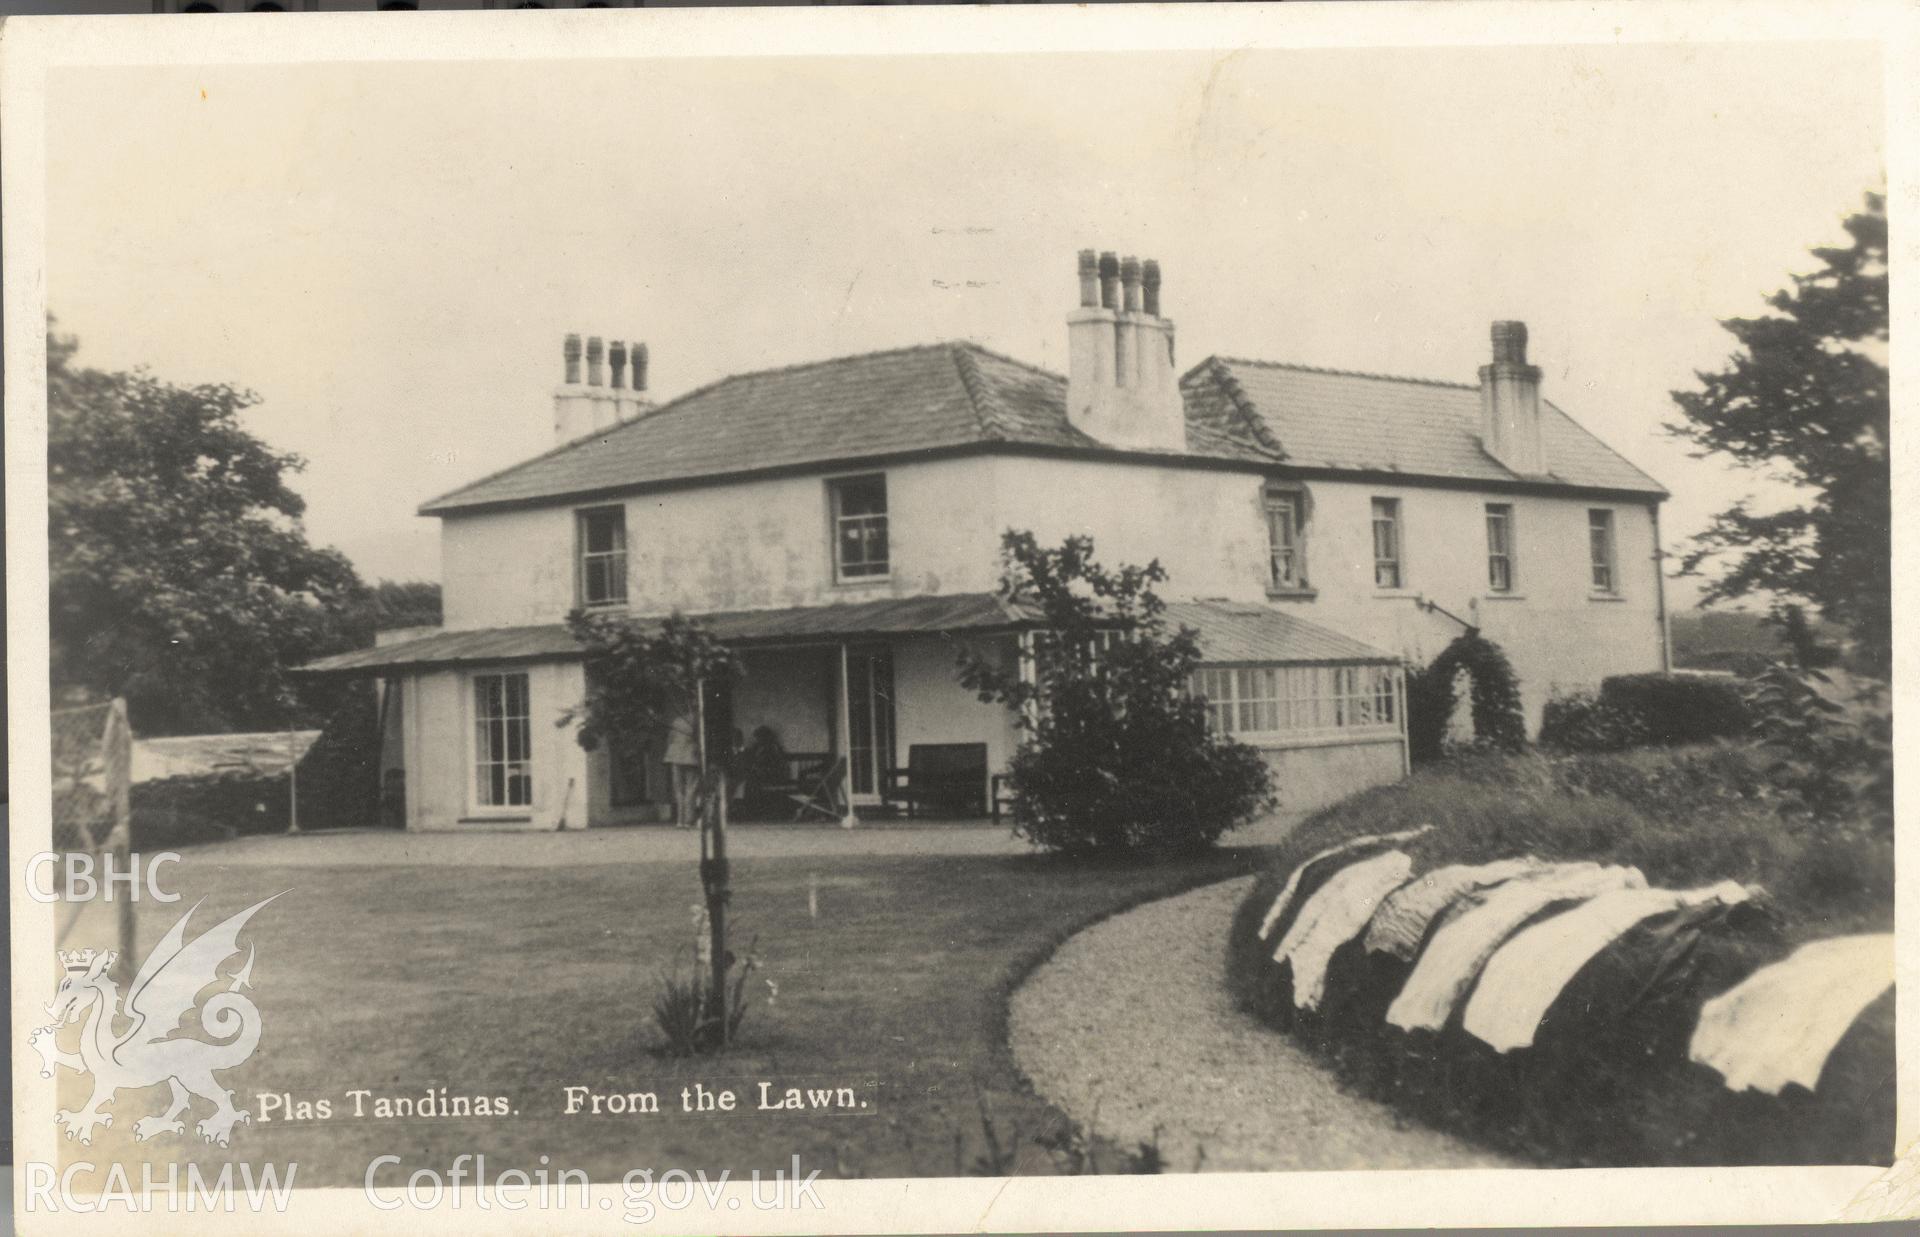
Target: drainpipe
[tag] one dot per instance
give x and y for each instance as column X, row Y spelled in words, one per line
column 1660, row 594
column 1406, row 740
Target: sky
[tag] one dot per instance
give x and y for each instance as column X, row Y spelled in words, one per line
column 389, row 254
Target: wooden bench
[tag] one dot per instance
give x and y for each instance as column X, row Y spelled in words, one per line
column 949, row 776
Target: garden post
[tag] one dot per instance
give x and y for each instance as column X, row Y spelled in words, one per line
column 293, row 780
column 713, row 860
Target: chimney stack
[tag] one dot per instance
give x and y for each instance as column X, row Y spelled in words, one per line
column 1510, row 403
column 581, row 404
column 1121, row 388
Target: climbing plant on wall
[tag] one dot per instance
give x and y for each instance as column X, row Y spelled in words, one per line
column 1498, row 720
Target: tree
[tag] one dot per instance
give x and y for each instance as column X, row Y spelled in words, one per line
column 1118, row 756
column 180, row 576
column 1807, row 395
column 642, row 676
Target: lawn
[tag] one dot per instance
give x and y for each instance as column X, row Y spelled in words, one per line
column 1607, row 1081
column 519, row 982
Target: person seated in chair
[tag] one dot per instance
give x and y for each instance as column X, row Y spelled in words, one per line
column 761, row 767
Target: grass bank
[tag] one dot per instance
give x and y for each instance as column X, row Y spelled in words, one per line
column 1606, row 1081
column 892, row 976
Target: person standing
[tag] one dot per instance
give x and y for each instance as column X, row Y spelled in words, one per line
column 682, row 758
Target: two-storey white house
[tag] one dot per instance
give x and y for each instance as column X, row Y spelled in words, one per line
column 839, row 524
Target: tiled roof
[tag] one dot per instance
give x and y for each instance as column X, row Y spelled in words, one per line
column 880, row 403
column 1338, row 420
column 959, row 395
column 1239, row 632
column 1229, row 632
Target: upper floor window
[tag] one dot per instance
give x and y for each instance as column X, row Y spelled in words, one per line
column 859, row 527
column 603, row 556
column 1286, row 546
column 1387, row 571
column 1600, row 548
column 1500, row 547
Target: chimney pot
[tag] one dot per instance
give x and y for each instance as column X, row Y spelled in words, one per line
column 1509, row 343
column 638, row 353
column 1130, row 283
column 570, row 353
column 1109, row 281
column 595, row 350
column 1089, row 279
column 617, row 365
column 1150, row 287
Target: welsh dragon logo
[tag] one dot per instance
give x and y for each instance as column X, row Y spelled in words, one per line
column 144, row 1052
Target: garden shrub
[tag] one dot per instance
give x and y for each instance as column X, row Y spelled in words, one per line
column 1582, row 722
column 1833, row 749
column 1678, row 708
column 1607, row 1080
column 178, row 811
column 1118, row 756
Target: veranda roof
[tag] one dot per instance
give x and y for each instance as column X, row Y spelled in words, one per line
column 1248, row 633
column 1230, row 633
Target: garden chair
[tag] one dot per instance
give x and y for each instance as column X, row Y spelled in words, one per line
column 824, row 793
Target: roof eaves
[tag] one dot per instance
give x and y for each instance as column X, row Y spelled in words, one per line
column 1573, row 421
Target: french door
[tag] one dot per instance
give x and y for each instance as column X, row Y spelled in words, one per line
column 869, row 720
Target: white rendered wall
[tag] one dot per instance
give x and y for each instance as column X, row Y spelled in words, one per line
column 439, row 741
column 743, row 546
column 767, row 544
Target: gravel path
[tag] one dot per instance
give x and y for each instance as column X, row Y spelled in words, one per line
column 1129, row 1026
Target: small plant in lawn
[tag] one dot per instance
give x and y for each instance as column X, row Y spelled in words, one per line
column 1075, row 1149
column 683, row 1009
column 1118, row 757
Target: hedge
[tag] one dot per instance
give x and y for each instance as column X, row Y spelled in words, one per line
column 1679, row 708
column 1646, row 710
column 1607, row 1081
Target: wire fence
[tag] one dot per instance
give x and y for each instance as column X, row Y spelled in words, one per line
column 92, row 815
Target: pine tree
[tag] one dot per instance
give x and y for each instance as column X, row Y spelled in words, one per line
column 1806, row 395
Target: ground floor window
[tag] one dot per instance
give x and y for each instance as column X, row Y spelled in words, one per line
column 503, row 741
column 1299, row 700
